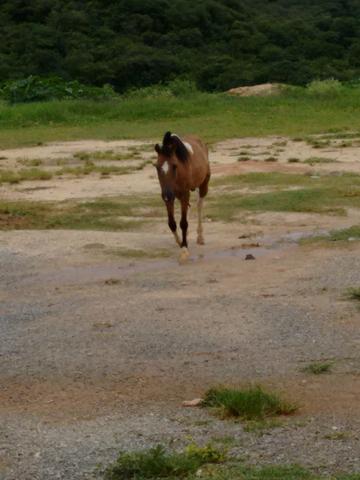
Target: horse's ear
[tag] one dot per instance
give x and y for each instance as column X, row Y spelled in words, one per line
column 167, row 138
column 157, row 148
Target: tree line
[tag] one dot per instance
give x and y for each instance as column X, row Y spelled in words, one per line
column 217, row 44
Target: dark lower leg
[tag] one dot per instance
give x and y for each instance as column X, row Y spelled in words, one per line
column 184, row 222
column 172, row 222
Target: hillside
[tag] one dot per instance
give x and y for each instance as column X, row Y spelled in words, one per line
column 219, row 44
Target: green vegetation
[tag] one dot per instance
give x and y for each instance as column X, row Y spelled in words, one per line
column 158, row 463
column 11, row 176
column 335, row 236
column 218, row 44
column 212, row 116
column 317, row 160
column 34, row 88
column 251, row 403
column 207, row 463
column 330, row 194
column 353, row 293
column 318, row 368
column 115, row 214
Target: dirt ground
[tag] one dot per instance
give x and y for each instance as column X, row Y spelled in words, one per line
column 98, row 353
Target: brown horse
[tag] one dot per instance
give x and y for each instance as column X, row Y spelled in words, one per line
column 183, row 166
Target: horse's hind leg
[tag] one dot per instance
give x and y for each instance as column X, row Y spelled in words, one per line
column 203, row 189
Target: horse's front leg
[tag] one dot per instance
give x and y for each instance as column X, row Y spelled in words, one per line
column 184, row 227
column 172, row 222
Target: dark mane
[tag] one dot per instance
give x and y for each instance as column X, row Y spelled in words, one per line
column 173, row 143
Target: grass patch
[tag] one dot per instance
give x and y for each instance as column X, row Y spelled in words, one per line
column 318, row 368
column 336, row 236
column 327, row 194
column 263, row 425
column 11, row 176
column 319, row 160
column 353, row 293
column 158, row 463
column 270, row 159
column 30, row 162
column 293, row 160
column 116, row 214
column 212, row 116
column 249, row 404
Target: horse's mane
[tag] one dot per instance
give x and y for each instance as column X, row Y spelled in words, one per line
column 171, row 140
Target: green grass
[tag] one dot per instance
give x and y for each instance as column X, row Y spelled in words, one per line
column 115, row 214
column 252, row 403
column 330, row 194
column 353, row 293
column 158, row 463
column 318, row 368
column 138, row 253
column 212, row 116
column 336, row 236
column 207, row 463
column 12, row 176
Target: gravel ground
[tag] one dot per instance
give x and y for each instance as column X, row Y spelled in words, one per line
column 89, row 368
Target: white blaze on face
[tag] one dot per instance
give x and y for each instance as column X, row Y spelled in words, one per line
column 165, row 167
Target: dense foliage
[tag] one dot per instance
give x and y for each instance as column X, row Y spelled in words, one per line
column 218, row 44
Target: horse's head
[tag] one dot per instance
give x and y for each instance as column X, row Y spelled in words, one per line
column 170, row 157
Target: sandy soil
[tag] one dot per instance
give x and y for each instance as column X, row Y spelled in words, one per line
column 98, row 351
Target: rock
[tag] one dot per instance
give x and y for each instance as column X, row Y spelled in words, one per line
column 261, row 90
column 193, row 403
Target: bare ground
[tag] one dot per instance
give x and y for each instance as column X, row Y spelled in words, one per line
column 98, row 351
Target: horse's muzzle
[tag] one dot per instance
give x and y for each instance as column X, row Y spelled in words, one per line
column 168, row 195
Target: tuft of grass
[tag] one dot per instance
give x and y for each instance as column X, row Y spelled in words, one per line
column 353, row 293
column 157, row 463
column 270, row 159
column 249, row 404
column 318, row 368
column 293, row 160
column 317, row 160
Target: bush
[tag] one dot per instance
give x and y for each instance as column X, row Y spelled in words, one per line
column 33, row 88
column 325, row 87
column 175, row 88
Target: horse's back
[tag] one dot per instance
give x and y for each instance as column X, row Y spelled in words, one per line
column 199, row 159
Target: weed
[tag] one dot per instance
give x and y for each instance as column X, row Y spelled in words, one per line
column 318, row 368
column 243, row 159
column 28, row 162
column 353, row 293
column 317, row 160
column 11, row 176
column 270, row 159
column 158, row 463
column 293, row 160
column 251, row 403
column 260, row 426
column 342, row 235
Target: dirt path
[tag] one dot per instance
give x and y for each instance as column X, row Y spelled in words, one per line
column 98, row 352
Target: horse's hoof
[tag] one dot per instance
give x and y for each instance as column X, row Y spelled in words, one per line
column 184, row 256
column 200, row 240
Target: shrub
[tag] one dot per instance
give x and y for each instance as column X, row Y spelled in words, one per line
column 33, row 88
column 324, row 87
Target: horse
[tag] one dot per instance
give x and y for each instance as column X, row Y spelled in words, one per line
column 182, row 166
